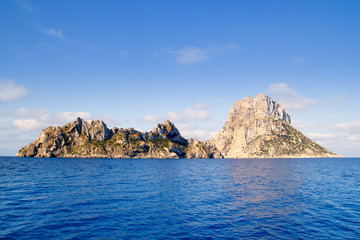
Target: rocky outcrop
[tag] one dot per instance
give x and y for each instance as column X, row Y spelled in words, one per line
column 259, row 127
column 256, row 128
column 93, row 139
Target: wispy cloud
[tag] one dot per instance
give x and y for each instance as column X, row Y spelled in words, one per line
column 4, row 126
column 198, row 112
column 298, row 59
column 341, row 97
column 191, row 130
column 10, row 91
column 348, row 126
column 35, row 120
column 96, row 47
column 289, row 98
column 299, row 124
column 70, row 116
column 190, row 122
column 151, row 119
column 42, row 114
column 58, row 33
column 28, row 125
column 124, row 53
column 321, row 136
column 25, row 5
column 342, row 138
column 190, row 55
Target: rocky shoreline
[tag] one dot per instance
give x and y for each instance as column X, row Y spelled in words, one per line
column 256, row 128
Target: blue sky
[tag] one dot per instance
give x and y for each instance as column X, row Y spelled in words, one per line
column 136, row 63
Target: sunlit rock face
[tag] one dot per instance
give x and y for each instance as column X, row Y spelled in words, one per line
column 256, row 127
column 260, row 127
column 92, row 139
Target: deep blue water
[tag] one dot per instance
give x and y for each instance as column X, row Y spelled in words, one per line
column 42, row 198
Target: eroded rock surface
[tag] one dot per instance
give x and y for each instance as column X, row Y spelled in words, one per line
column 256, row 128
column 93, row 139
column 260, row 127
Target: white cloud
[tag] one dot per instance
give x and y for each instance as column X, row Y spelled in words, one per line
column 298, row 59
column 109, row 121
column 344, row 138
column 3, row 126
column 193, row 131
column 298, row 124
column 29, row 125
column 190, row 55
column 351, row 131
column 42, row 114
column 124, row 53
column 288, row 97
column 150, row 119
column 354, row 137
column 55, row 33
column 348, row 126
column 71, row 116
column 35, row 120
column 175, row 116
column 321, row 136
column 186, row 121
column 341, row 97
column 10, row 91
column 198, row 112
column 232, row 46
column 25, row 5
column 197, row 134
column 200, row 105
column 96, row 47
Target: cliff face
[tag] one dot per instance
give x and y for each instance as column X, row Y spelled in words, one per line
column 260, row 127
column 94, row 139
column 256, row 128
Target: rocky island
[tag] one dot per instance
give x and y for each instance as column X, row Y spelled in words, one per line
column 256, row 128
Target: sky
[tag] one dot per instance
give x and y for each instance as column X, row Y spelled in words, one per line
column 137, row 63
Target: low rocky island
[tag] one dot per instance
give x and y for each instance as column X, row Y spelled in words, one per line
column 256, row 128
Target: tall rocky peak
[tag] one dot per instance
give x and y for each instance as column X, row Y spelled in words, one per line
column 93, row 129
column 256, row 127
column 167, row 130
column 98, row 130
column 261, row 127
column 259, row 107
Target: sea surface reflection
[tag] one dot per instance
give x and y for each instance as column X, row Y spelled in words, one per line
column 179, row 199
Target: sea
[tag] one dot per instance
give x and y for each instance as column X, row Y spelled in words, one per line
column 58, row 198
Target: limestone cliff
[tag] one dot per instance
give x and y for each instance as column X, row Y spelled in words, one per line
column 260, row 127
column 93, row 139
column 256, row 128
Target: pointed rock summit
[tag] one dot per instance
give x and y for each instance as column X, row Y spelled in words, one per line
column 260, row 127
column 256, row 128
column 92, row 139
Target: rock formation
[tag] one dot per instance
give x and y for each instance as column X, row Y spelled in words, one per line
column 256, row 128
column 93, row 139
column 259, row 127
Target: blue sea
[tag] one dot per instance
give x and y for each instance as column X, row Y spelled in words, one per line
column 49, row 198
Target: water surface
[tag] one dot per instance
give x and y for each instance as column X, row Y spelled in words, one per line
column 42, row 198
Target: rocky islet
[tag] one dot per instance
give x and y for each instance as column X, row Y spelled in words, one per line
column 256, row 127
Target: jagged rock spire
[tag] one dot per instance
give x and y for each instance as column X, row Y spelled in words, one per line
column 261, row 127
column 256, row 127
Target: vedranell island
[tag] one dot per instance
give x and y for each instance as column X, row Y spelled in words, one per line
column 257, row 127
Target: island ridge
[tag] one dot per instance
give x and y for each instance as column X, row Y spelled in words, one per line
column 257, row 127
